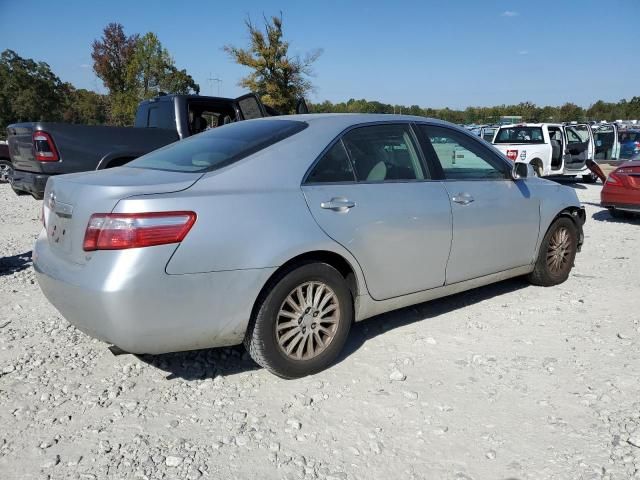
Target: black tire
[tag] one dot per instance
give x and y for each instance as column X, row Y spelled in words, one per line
column 261, row 339
column 547, row 271
column 589, row 178
column 6, row 169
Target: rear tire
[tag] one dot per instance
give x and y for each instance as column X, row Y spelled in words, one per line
column 589, row 178
column 302, row 321
column 556, row 255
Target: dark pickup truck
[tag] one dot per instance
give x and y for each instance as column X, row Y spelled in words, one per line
column 41, row 149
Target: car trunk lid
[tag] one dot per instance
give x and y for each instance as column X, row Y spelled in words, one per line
column 70, row 200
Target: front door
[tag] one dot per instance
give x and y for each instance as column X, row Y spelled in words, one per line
column 372, row 193
column 496, row 220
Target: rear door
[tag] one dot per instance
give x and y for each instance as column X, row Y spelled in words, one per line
column 371, row 193
column 250, row 106
column 495, row 219
column 607, row 141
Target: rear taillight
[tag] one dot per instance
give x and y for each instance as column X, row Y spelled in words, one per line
column 512, row 155
column 44, row 149
column 613, row 179
column 117, row 231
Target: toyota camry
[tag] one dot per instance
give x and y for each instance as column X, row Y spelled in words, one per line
column 281, row 232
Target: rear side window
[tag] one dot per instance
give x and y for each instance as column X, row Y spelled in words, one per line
column 333, row 167
column 383, row 153
column 219, row 147
column 519, row 135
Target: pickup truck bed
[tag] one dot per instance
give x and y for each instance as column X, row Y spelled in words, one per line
column 78, row 148
column 39, row 150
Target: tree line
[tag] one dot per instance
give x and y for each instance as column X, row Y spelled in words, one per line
column 529, row 112
column 137, row 67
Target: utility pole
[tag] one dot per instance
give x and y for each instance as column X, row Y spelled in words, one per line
column 212, row 79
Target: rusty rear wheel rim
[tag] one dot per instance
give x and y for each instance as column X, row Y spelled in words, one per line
column 307, row 321
column 559, row 250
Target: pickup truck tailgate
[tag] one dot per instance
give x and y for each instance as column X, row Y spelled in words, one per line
column 21, row 148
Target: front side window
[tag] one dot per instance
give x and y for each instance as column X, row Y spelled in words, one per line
column 383, row 153
column 462, row 157
column 218, row 147
column 519, row 135
column 333, row 167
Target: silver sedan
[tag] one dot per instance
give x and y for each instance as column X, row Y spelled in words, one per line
column 281, row 232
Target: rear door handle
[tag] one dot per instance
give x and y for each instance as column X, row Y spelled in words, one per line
column 338, row 204
column 462, row 198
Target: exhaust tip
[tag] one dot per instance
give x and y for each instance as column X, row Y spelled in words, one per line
column 117, row 351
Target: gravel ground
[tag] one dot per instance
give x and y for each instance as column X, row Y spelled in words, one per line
column 508, row 381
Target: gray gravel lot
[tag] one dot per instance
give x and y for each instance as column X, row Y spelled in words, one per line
column 506, row 381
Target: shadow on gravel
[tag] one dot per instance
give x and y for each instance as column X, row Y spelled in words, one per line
column 571, row 183
column 15, row 263
column 213, row 362
column 202, row 364
column 605, row 216
column 374, row 326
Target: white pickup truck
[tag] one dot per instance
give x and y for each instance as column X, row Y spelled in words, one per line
column 551, row 148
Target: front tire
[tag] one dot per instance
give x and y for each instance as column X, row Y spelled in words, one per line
column 589, row 178
column 556, row 255
column 302, row 321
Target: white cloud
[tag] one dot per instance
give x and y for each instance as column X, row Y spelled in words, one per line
column 509, row 13
column 523, row 52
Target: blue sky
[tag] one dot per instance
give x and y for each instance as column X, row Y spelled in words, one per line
column 430, row 53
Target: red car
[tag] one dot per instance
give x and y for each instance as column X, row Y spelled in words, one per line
column 621, row 192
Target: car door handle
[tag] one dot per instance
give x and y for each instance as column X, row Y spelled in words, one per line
column 338, row 204
column 462, row 198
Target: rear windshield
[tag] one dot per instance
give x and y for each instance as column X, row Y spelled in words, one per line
column 519, row 135
column 219, row 146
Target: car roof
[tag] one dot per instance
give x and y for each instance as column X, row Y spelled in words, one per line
column 346, row 120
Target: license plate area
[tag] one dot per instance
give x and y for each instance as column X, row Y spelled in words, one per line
column 59, row 232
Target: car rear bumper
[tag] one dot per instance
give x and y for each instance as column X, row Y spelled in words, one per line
column 620, row 198
column 30, row 182
column 127, row 299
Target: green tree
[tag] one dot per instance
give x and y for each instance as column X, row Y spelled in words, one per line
column 29, row 90
column 135, row 68
column 277, row 77
column 84, row 106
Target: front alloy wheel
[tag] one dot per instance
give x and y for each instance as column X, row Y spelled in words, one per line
column 557, row 253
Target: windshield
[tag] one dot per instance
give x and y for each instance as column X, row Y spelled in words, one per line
column 519, row 135
column 219, row 147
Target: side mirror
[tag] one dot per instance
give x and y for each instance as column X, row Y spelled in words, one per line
column 522, row 170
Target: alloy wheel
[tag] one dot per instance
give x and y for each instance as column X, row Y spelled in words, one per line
column 307, row 321
column 559, row 250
